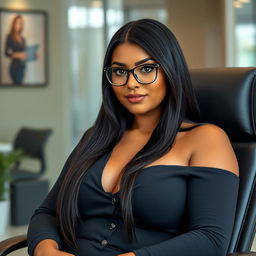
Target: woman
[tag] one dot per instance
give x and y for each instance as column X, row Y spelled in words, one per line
column 15, row 49
column 143, row 180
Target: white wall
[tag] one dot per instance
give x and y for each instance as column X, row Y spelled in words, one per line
column 199, row 28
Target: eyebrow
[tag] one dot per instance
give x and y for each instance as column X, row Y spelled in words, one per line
column 142, row 61
column 136, row 63
column 118, row 63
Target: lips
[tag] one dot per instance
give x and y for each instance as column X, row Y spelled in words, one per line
column 135, row 98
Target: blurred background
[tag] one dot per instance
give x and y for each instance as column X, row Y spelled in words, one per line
column 212, row 33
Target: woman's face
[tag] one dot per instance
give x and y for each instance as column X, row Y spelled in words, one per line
column 137, row 98
column 18, row 25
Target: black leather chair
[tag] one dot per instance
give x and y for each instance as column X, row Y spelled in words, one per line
column 32, row 142
column 227, row 97
column 27, row 189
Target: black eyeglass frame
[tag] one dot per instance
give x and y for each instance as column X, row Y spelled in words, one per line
column 155, row 65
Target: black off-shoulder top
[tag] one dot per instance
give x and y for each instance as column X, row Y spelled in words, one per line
column 178, row 211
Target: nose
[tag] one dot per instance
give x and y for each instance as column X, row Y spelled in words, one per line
column 132, row 82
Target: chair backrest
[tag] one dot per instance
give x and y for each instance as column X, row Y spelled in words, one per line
column 32, row 143
column 227, row 98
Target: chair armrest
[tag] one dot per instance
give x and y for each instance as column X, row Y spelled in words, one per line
column 17, row 242
column 12, row 244
column 242, row 254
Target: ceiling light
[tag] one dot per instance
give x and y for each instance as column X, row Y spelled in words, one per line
column 96, row 4
column 245, row 1
column 237, row 4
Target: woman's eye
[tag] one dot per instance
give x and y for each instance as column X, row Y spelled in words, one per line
column 147, row 69
column 120, row 72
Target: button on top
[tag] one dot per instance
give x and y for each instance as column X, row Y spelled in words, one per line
column 112, row 226
column 104, row 242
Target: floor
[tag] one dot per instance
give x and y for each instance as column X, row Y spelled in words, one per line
column 14, row 231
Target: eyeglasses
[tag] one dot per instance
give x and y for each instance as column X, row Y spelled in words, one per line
column 144, row 74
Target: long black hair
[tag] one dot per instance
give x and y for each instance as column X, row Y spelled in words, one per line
column 113, row 119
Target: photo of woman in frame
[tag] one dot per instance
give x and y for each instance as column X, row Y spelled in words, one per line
column 23, row 48
column 15, row 49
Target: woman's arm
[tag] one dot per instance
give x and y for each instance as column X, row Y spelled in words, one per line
column 212, row 148
column 211, row 211
column 49, row 247
column 43, row 224
column 19, row 55
column 8, row 44
column 211, row 199
column 127, row 254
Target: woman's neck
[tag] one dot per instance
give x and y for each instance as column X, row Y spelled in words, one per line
column 146, row 123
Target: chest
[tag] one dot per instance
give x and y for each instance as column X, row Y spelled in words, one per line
column 127, row 148
column 159, row 196
column 18, row 44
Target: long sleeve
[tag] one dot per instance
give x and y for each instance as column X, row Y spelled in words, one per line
column 211, row 203
column 8, row 50
column 43, row 224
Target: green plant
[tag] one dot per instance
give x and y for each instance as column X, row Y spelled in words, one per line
column 6, row 162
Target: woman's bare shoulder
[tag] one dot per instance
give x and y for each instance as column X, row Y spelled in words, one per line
column 211, row 147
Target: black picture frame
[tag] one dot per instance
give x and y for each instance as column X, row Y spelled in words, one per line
column 24, row 48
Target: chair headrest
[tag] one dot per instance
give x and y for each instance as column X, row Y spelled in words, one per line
column 32, row 141
column 227, row 98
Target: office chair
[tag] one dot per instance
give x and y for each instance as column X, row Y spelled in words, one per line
column 226, row 98
column 32, row 142
column 27, row 190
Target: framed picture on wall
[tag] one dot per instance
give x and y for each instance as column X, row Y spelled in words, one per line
column 23, row 46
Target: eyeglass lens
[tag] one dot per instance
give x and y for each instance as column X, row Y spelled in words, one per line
column 144, row 74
